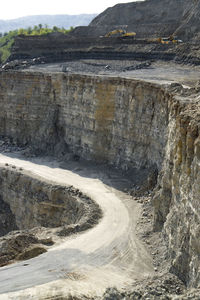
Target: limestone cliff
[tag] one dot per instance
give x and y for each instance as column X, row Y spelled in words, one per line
column 123, row 122
column 25, row 117
column 176, row 201
column 94, row 117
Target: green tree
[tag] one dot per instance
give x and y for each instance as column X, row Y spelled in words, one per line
column 36, row 28
column 21, row 31
column 29, row 30
column 55, row 28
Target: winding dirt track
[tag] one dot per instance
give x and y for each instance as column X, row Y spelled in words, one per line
column 108, row 255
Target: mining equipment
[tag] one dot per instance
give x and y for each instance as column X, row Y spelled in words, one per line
column 120, row 33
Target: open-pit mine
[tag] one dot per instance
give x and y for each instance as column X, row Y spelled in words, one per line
column 100, row 164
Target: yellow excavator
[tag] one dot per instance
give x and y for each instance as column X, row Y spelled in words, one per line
column 129, row 34
column 121, row 33
column 115, row 32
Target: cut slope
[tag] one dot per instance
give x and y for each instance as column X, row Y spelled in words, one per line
column 151, row 18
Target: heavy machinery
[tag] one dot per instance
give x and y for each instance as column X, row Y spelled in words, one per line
column 120, row 33
column 129, row 34
column 116, row 32
column 169, row 40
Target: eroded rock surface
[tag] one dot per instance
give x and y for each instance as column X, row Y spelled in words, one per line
column 177, row 199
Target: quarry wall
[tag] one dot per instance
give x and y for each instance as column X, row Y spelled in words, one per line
column 53, row 48
column 122, row 122
column 176, row 201
column 119, row 121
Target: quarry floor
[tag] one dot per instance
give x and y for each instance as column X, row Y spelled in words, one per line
column 108, row 255
column 157, row 72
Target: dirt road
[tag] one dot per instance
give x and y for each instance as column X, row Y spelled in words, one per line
column 108, row 255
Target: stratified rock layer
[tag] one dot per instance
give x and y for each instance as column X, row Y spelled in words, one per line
column 123, row 122
column 28, row 202
column 177, row 201
column 94, row 117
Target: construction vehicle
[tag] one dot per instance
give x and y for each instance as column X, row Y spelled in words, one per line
column 174, row 39
column 118, row 32
column 165, row 41
column 169, row 40
column 121, row 33
column 129, row 34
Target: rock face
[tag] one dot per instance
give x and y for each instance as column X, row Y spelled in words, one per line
column 28, row 50
column 26, row 120
column 177, row 201
column 7, row 218
column 123, row 122
column 95, row 118
column 28, row 202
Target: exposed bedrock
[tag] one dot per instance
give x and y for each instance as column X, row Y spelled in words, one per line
column 176, row 200
column 28, row 202
column 119, row 121
column 29, row 205
column 125, row 123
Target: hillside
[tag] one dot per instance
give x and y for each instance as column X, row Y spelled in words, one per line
column 150, row 18
column 65, row 21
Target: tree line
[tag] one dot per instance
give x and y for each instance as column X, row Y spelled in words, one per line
column 7, row 38
column 36, row 30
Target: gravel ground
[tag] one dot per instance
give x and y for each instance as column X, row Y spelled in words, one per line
column 159, row 72
column 92, row 66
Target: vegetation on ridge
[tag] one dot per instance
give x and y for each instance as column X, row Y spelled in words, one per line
column 7, row 39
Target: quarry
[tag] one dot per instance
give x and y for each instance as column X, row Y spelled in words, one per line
column 100, row 160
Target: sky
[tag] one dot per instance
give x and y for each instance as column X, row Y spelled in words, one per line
column 11, row 9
